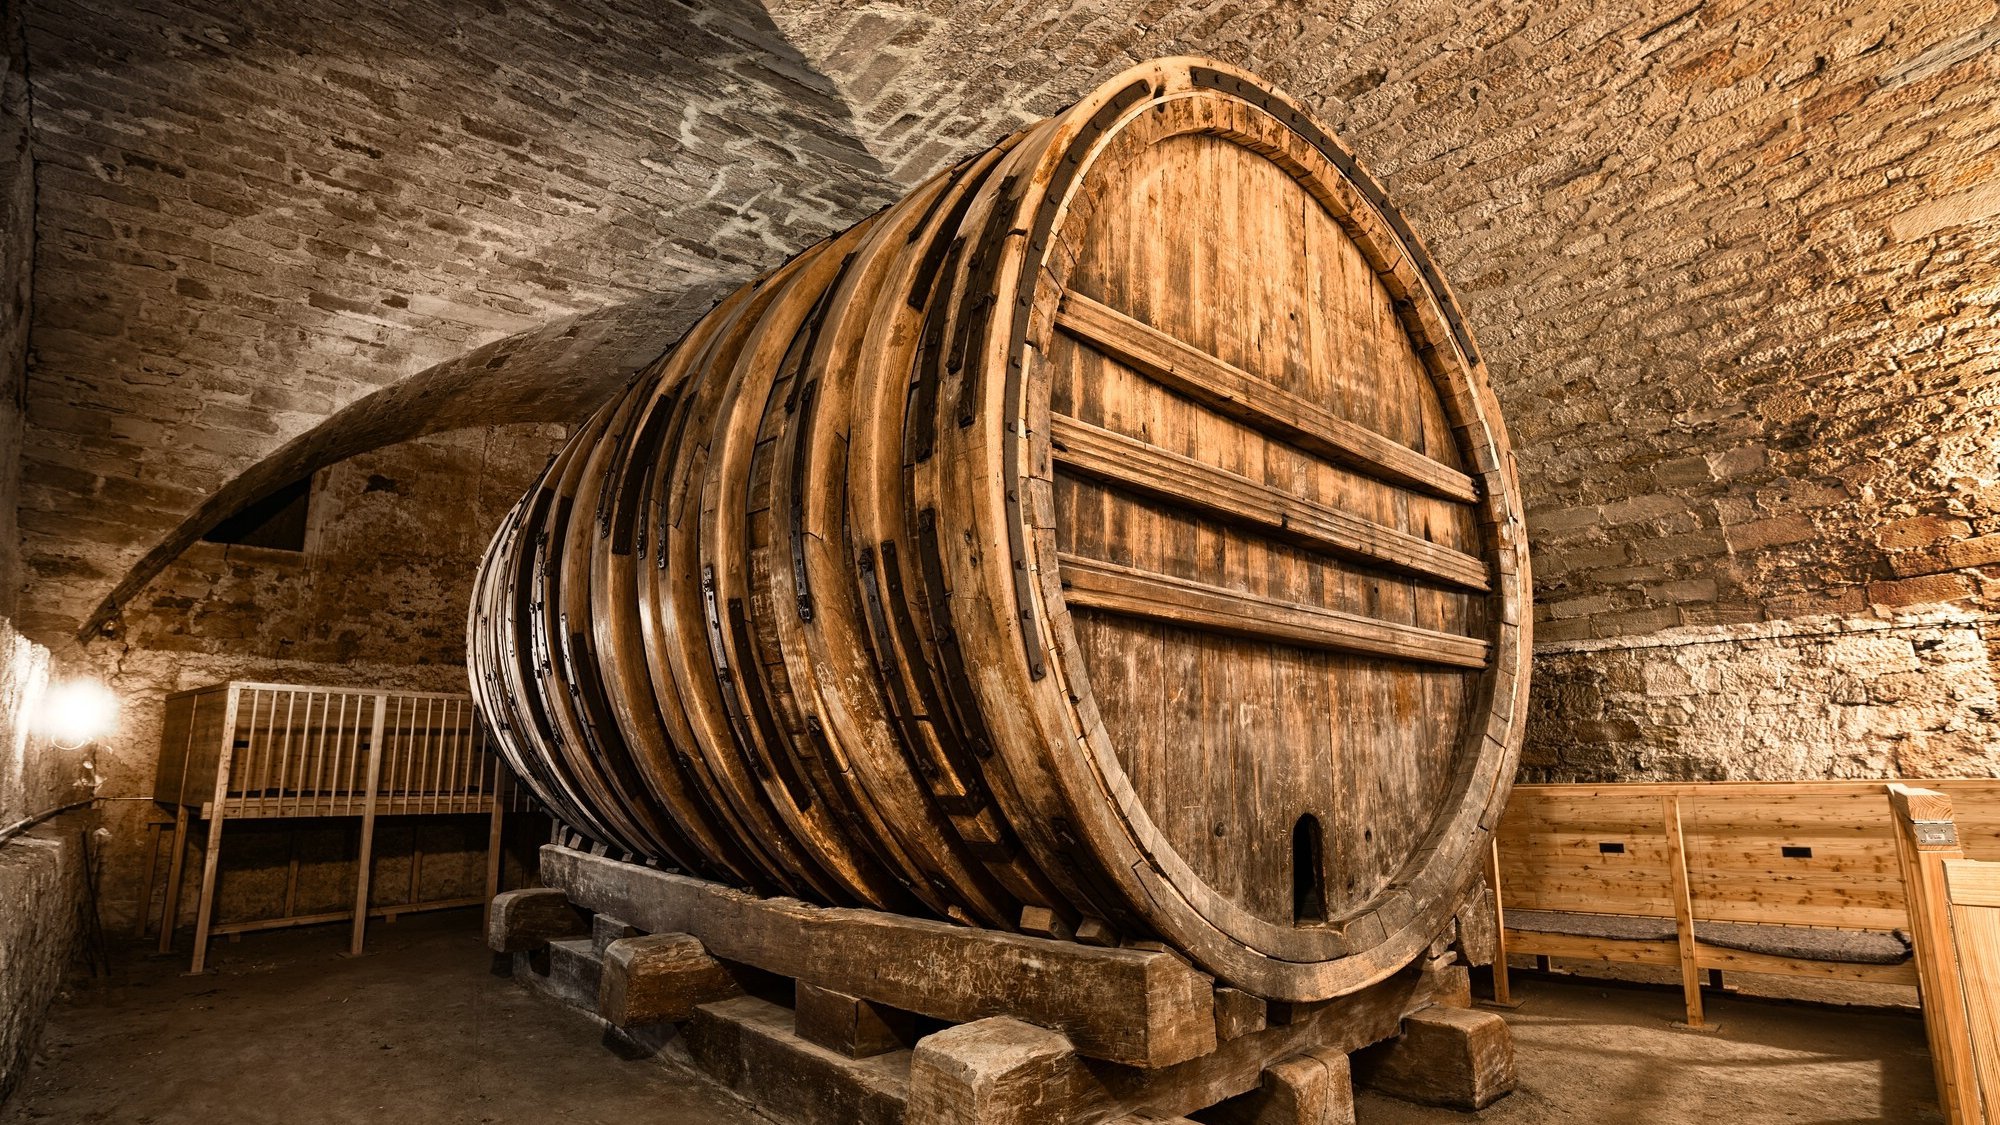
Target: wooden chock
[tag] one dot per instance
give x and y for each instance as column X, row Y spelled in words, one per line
column 1451, row 982
column 1311, row 1088
column 1459, row 1058
column 525, row 920
column 849, row 1025
column 995, row 1071
column 659, row 978
column 1237, row 1013
column 604, row 929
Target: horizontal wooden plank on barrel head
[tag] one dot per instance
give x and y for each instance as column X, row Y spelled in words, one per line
column 1133, row 592
column 1137, row 466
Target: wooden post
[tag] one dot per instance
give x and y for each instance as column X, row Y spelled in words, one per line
column 1974, row 889
column 1503, row 993
column 170, row 910
column 368, row 827
column 292, row 874
column 1683, row 913
column 153, row 827
column 1925, row 839
column 212, row 855
column 494, row 831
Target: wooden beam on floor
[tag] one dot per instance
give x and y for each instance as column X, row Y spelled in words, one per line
column 1138, row 1007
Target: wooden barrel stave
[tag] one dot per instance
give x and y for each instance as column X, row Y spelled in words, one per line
column 658, row 627
column 618, row 631
column 764, row 722
column 1120, row 527
column 894, row 391
column 817, row 625
column 518, row 657
column 590, row 762
column 579, row 667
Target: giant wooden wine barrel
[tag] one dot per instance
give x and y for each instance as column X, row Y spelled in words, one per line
column 1116, row 537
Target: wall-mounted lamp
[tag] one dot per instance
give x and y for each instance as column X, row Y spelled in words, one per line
column 76, row 713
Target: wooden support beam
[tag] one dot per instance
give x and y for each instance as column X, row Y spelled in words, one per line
column 495, row 836
column 1230, row 390
column 1131, row 1006
column 748, row 1045
column 153, row 827
column 1195, row 605
column 365, row 866
column 1677, row 871
column 1926, row 839
column 1138, row 466
column 1454, row 1057
column 1973, row 887
column 604, row 929
column 1043, row 922
column 525, row 920
column 170, row 909
column 1346, row 1023
column 1503, row 987
column 1312, row 1088
column 848, row 1025
column 659, row 978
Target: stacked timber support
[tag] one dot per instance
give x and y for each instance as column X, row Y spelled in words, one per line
column 824, row 1015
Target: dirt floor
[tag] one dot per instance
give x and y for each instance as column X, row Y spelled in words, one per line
column 288, row 1032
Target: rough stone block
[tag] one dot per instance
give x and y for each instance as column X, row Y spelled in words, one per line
column 527, row 919
column 1454, row 1057
column 996, row 1071
column 659, row 978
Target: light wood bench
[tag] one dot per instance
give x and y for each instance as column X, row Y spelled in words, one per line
column 1791, row 878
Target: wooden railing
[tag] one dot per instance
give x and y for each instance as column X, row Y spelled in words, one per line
column 1678, row 875
column 241, row 750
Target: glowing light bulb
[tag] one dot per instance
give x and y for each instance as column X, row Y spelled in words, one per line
column 78, row 712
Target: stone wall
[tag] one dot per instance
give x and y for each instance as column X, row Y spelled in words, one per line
column 377, row 600
column 17, row 265
column 1909, row 695
column 41, row 870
